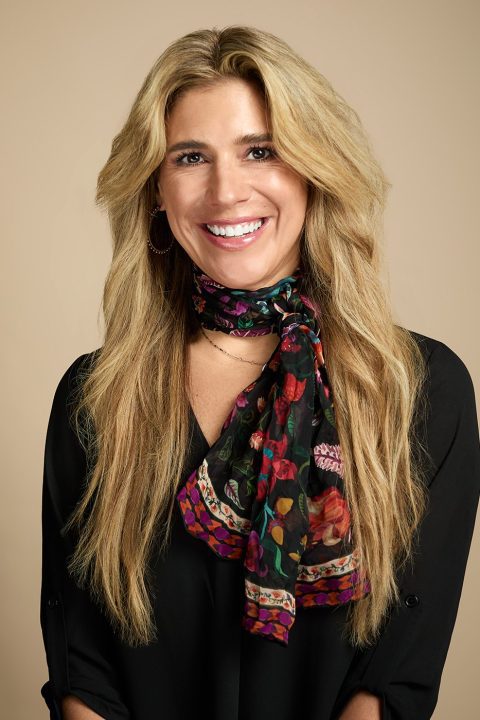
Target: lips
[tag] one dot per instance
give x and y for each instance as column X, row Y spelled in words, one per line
column 234, row 221
column 231, row 224
column 232, row 243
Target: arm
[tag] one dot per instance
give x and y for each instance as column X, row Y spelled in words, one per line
column 79, row 645
column 363, row 706
column 74, row 709
column 404, row 668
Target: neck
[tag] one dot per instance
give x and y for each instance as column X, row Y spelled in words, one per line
column 257, row 348
column 242, row 323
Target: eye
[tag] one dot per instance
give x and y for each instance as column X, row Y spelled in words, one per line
column 263, row 148
column 179, row 160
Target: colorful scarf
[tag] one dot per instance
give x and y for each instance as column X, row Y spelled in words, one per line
column 270, row 490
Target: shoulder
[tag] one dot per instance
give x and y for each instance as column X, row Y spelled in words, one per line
column 65, row 461
column 61, row 426
column 73, row 374
column 68, row 383
column 446, row 370
column 450, row 414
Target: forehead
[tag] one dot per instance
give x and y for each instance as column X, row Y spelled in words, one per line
column 227, row 108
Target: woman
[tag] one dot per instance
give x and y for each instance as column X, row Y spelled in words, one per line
column 260, row 470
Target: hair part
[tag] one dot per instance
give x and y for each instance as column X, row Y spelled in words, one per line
column 132, row 413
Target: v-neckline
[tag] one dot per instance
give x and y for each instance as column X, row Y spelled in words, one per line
column 200, row 432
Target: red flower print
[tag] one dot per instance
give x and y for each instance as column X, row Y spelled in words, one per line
column 241, row 400
column 288, row 345
column 274, row 465
column 229, row 417
column 293, row 388
column 284, row 469
column 198, row 303
column 329, row 517
column 318, row 350
column 261, row 402
column 273, row 450
column 281, row 406
column 262, row 487
column 274, row 362
column 256, row 440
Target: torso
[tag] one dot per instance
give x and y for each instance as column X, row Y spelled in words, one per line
column 215, row 382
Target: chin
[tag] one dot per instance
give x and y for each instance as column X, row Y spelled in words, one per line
column 260, row 265
column 236, row 274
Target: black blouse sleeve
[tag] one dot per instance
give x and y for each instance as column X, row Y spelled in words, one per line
column 405, row 666
column 78, row 648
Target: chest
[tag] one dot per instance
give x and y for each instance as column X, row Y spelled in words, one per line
column 213, row 388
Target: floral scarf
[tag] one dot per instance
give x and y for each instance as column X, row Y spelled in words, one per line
column 270, row 490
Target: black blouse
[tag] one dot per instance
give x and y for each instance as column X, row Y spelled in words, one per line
column 203, row 661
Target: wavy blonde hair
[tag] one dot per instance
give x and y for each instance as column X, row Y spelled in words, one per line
column 132, row 412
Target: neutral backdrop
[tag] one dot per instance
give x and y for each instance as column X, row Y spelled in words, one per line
column 69, row 73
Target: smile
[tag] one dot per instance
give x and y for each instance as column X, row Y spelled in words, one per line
column 235, row 230
column 235, row 237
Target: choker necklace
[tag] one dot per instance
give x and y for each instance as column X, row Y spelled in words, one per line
column 252, row 362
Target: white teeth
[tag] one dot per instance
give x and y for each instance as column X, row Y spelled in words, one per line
column 235, row 230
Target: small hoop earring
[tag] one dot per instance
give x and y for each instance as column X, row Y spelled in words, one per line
column 155, row 213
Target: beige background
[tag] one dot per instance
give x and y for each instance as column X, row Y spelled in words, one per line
column 70, row 71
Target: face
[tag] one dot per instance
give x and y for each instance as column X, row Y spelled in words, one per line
column 214, row 179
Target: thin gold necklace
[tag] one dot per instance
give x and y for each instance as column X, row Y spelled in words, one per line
column 252, row 362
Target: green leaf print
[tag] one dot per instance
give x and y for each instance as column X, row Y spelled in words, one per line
column 265, row 511
column 291, row 422
column 301, row 503
column 330, row 416
column 278, row 558
column 231, row 491
column 269, row 544
column 245, row 322
column 303, row 452
column 226, row 450
column 244, row 467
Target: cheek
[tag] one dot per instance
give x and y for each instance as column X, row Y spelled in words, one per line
column 288, row 190
column 299, row 192
column 183, row 199
column 294, row 206
column 178, row 201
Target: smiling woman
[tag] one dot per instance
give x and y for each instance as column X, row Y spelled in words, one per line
column 237, row 481
column 225, row 178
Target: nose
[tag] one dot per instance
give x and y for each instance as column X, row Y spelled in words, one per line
column 228, row 184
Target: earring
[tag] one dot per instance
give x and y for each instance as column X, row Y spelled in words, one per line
column 155, row 213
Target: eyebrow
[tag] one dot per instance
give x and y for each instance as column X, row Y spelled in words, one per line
column 240, row 140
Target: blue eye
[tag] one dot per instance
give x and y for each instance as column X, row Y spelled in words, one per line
column 179, row 159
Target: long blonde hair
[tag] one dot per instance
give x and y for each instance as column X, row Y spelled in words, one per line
column 131, row 409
